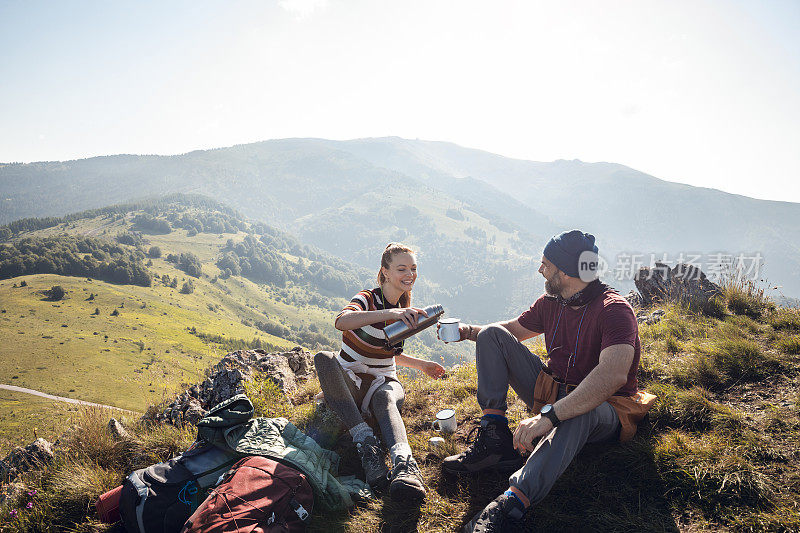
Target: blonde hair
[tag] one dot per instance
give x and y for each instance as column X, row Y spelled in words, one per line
column 391, row 250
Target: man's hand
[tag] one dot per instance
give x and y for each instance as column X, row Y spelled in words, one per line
column 433, row 369
column 529, row 430
column 463, row 333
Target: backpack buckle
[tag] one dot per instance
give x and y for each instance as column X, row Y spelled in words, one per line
column 299, row 510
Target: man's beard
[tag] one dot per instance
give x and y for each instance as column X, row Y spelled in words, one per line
column 552, row 286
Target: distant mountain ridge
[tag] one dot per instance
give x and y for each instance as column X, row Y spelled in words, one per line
column 311, row 186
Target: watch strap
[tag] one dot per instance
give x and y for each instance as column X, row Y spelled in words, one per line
column 551, row 414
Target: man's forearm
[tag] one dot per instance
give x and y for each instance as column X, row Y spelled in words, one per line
column 596, row 388
column 511, row 325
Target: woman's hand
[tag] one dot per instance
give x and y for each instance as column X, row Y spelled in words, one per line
column 409, row 315
column 433, row 369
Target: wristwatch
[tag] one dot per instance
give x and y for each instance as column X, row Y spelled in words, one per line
column 550, row 413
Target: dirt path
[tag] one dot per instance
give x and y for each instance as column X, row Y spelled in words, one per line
column 14, row 388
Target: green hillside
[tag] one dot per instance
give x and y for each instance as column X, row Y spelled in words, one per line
column 288, row 183
column 130, row 345
column 718, row 451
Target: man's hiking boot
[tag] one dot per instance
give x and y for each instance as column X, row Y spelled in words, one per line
column 372, row 460
column 407, row 483
column 503, row 514
column 492, row 447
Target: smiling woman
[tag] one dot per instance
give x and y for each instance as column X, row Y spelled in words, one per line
column 362, row 379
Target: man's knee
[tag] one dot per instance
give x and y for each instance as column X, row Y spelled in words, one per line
column 491, row 332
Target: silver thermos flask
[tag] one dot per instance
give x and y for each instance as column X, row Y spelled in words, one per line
column 398, row 331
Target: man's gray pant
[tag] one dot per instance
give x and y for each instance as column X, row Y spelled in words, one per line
column 502, row 361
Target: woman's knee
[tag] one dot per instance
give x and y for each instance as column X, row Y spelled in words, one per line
column 387, row 396
column 323, row 360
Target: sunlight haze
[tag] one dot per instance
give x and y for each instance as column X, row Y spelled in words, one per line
column 703, row 93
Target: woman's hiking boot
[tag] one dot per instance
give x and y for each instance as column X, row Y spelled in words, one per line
column 492, row 447
column 407, row 483
column 372, row 460
column 503, row 514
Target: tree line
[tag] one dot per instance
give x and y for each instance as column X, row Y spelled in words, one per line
column 260, row 262
column 74, row 256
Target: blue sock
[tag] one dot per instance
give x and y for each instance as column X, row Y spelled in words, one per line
column 498, row 418
column 510, row 492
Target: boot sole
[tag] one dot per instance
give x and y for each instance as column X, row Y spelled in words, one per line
column 402, row 491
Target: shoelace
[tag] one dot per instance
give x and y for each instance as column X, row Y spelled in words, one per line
column 372, row 453
column 478, row 442
column 406, row 466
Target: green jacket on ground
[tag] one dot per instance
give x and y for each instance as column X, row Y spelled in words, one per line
column 230, row 426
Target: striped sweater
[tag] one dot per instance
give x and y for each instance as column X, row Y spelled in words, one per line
column 367, row 344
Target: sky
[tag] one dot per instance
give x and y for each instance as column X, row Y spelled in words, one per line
column 692, row 91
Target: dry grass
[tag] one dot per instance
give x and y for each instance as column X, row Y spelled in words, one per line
column 718, row 451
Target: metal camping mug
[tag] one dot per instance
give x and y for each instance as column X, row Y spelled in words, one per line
column 445, row 421
column 448, row 329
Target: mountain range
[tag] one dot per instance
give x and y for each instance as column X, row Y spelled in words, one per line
column 479, row 219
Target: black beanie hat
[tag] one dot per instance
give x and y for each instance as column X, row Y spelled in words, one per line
column 565, row 250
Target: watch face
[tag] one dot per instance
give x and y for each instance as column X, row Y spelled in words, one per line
column 546, row 408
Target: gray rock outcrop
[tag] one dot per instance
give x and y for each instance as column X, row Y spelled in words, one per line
column 683, row 283
column 35, row 455
column 287, row 370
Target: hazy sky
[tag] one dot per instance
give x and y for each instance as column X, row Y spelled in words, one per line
column 700, row 92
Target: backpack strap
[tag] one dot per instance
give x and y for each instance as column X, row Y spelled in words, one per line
column 141, row 491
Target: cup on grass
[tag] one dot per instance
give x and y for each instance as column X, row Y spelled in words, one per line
column 445, row 421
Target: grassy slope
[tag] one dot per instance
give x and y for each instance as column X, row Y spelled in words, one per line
column 24, row 417
column 79, row 361
column 718, row 452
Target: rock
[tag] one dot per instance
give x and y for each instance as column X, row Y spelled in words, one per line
column 684, row 284
column 117, row 431
column 227, row 378
column 654, row 318
column 10, row 496
column 35, row 455
column 634, row 298
column 193, row 412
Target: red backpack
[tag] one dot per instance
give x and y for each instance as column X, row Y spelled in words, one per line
column 256, row 495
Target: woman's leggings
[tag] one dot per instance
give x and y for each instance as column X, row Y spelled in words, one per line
column 340, row 392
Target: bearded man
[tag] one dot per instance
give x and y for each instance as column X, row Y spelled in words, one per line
column 586, row 393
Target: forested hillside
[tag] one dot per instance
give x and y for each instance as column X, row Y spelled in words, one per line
column 366, row 192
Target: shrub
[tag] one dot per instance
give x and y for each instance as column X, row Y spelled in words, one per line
column 23, row 283
column 115, row 312
column 56, row 293
column 789, row 345
column 673, row 345
column 267, row 397
column 690, row 409
column 714, row 307
column 154, row 252
column 744, row 297
column 785, row 319
column 187, row 288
